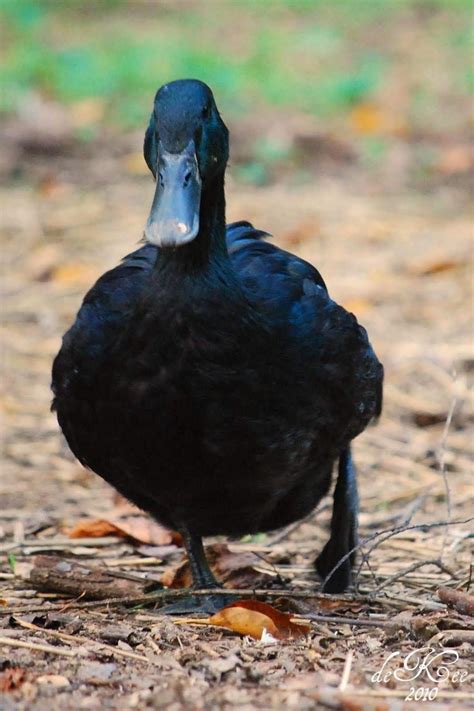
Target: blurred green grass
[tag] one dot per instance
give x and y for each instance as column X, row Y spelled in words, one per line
column 313, row 56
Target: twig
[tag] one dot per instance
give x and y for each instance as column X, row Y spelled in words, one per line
column 165, row 595
column 441, row 457
column 415, row 527
column 371, row 572
column 7, row 642
column 62, row 543
column 401, row 601
column 346, row 671
column 411, row 510
column 389, row 533
column 353, row 621
column 410, row 569
column 71, row 578
column 463, row 602
column 72, row 638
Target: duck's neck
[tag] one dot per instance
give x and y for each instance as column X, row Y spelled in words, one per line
column 208, row 249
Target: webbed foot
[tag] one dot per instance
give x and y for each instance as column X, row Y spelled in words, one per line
column 197, row 604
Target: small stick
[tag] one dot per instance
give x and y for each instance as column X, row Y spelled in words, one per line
column 381, row 536
column 410, row 569
column 401, row 601
column 441, row 457
column 62, row 543
column 355, row 621
column 346, row 671
column 7, row 642
column 167, row 594
column 408, row 513
column 72, row 638
column 462, row 601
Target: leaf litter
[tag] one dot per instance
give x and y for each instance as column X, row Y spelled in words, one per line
column 398, row 261
column 255, row 619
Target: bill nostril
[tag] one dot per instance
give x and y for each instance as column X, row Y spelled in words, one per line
column 187, row 178
column 161, row 179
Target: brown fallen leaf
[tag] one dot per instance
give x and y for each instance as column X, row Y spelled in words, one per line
column 234, row 570
column 74, row 274
column 308, row 229
column 141, row 529
column 12, row 679
column 352, row 605
column 437, row 266
column 253, row 618
column 358, row 305
column 368, row 119
column 461, row 601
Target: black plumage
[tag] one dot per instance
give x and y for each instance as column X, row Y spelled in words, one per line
column 209, row 377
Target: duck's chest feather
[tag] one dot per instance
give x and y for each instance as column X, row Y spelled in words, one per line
column 195, row 385
column 200, row 374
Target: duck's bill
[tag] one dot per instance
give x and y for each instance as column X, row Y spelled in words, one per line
column 174, row 215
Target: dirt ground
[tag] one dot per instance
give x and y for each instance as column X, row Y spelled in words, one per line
column 397, row 257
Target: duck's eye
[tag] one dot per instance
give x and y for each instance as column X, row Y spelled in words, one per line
column 206, row 112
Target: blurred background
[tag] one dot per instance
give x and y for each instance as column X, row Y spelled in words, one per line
column 308, row 86
column 350, row 141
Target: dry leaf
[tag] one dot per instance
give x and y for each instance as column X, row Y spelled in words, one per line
column 74, row 274
column 12, row 679
column 139, row 528
column 234, row 570
column 305, row 230
column 358, row 305
column 367, row 118
column 251, row 617
column 352, row 605
column 437, row 266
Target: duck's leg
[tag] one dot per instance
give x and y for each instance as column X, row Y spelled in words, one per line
column 203, row 579
column 343, row 529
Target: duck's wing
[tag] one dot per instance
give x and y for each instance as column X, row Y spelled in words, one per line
column 100, row 317
column 293, row 296
column 274, row 277
column 342, row 370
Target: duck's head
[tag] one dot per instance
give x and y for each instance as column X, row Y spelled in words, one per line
column 186, row 148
